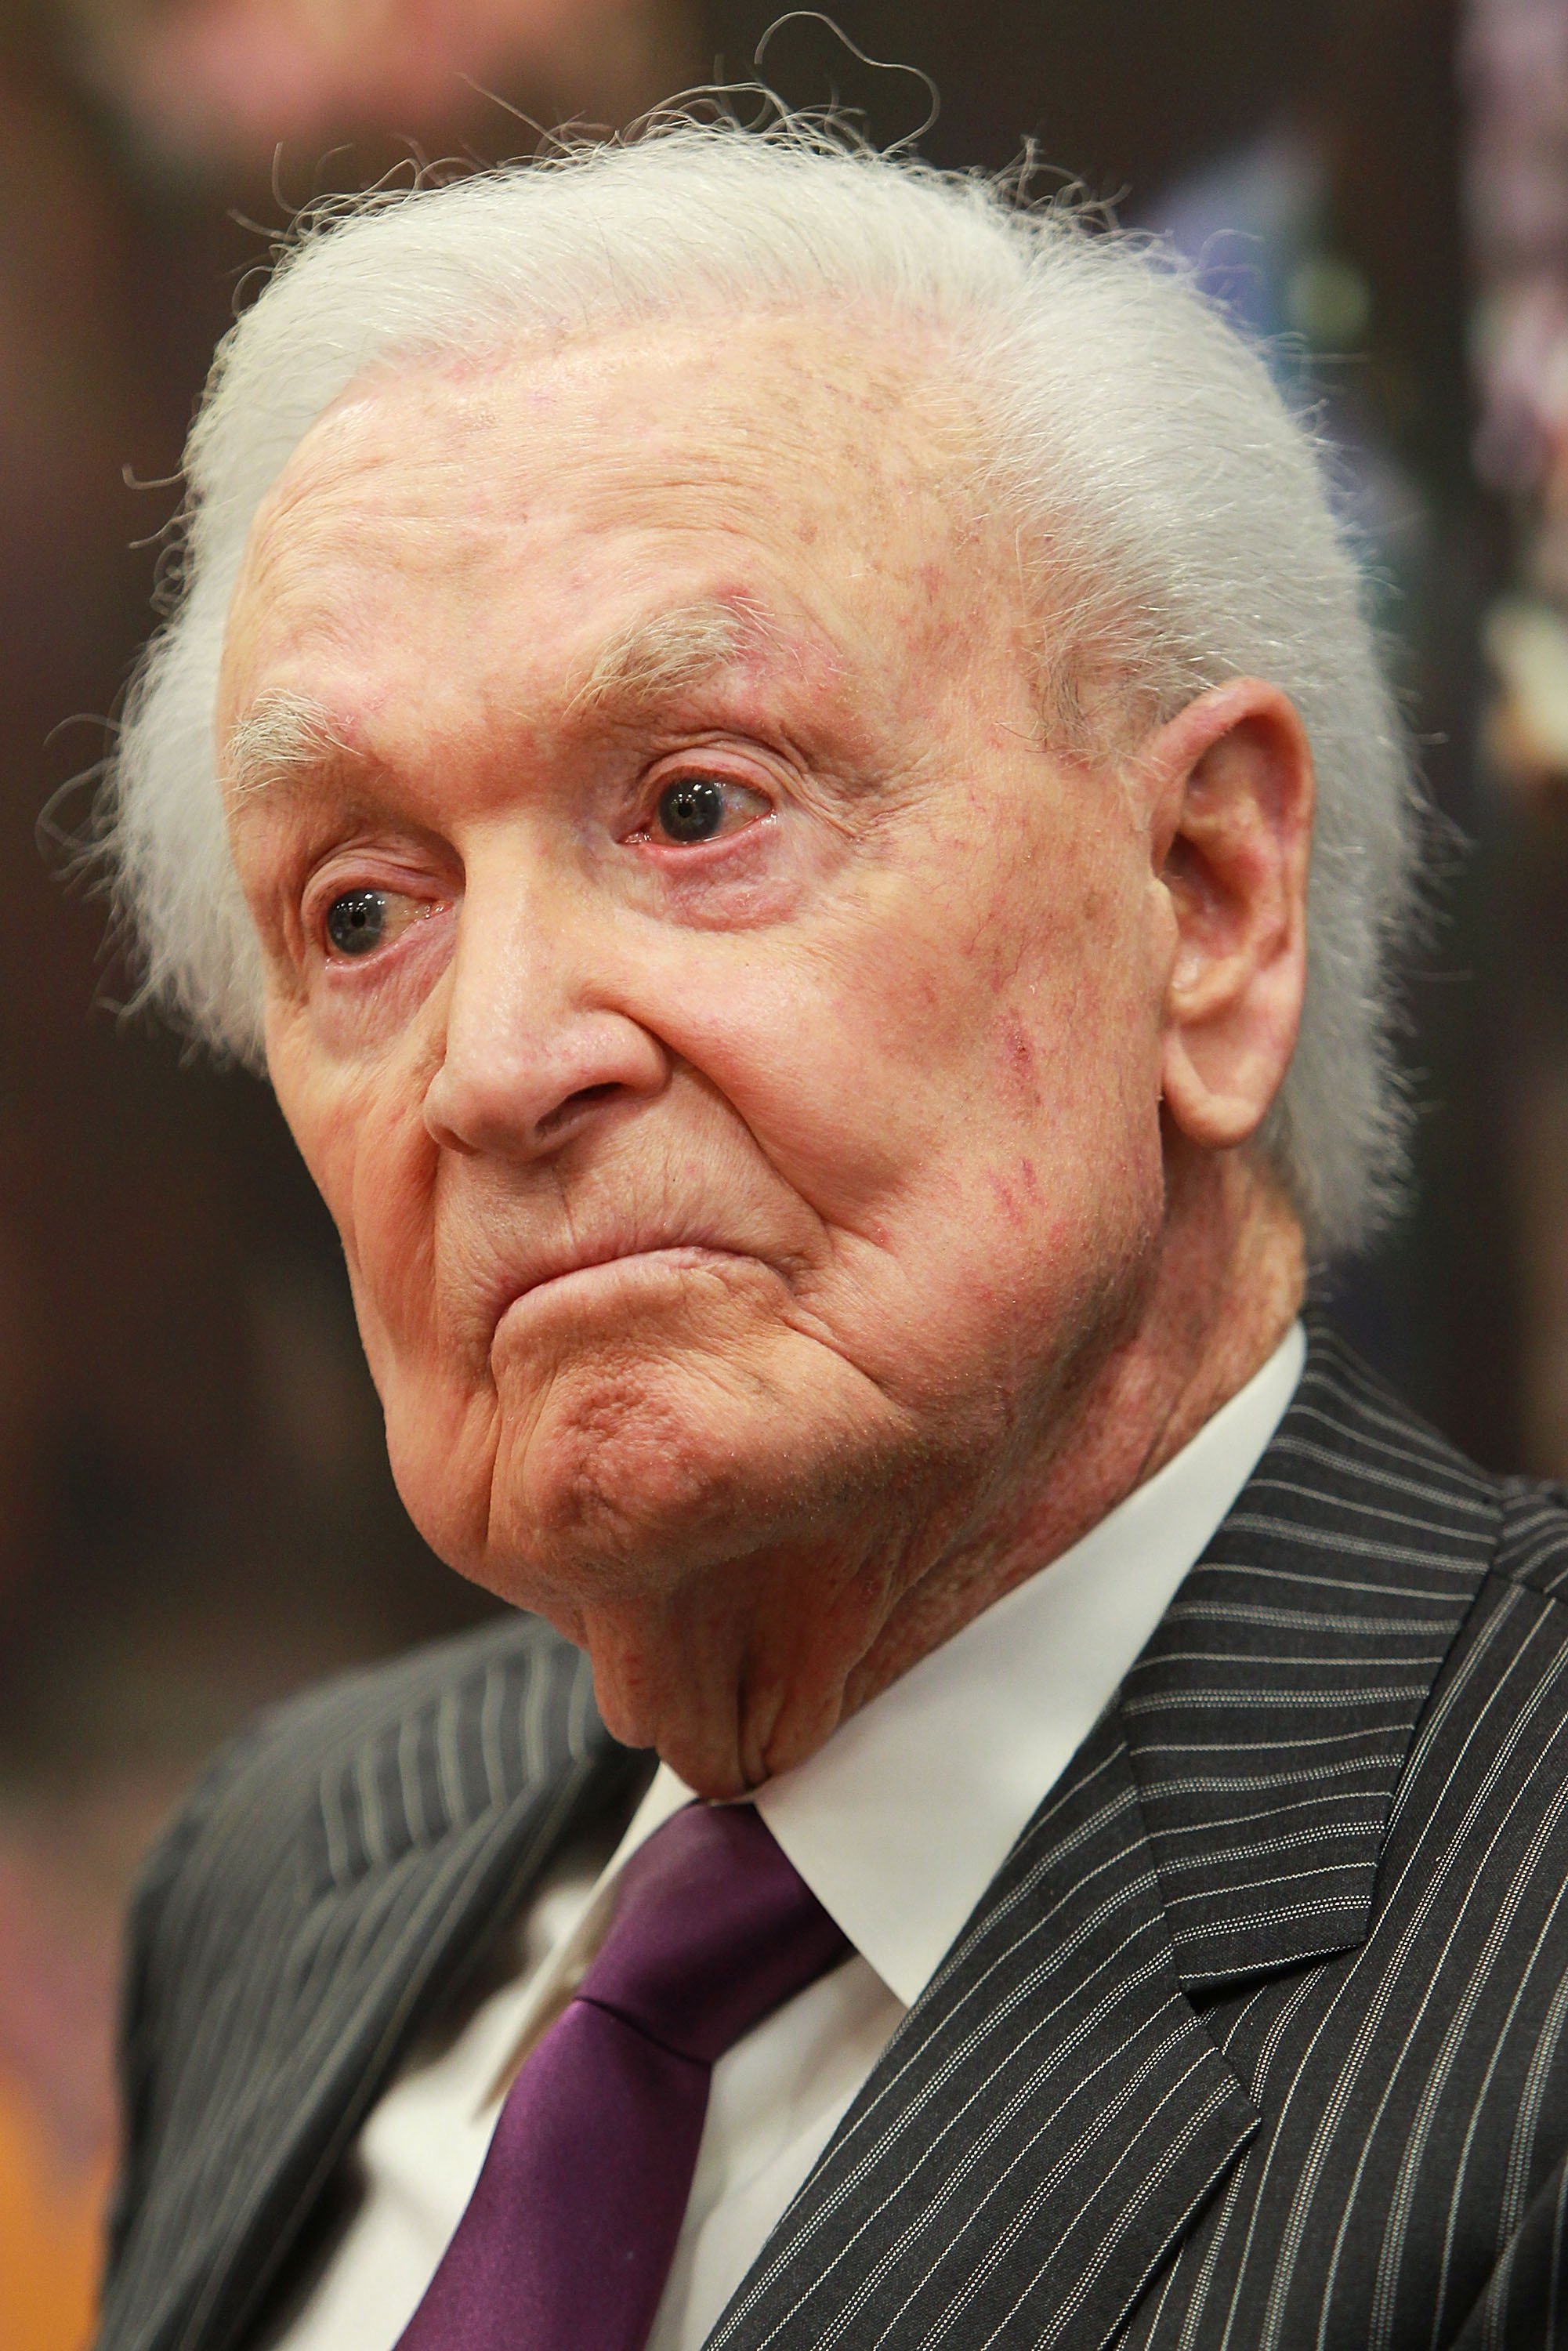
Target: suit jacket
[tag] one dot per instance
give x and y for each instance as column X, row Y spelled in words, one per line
column 1258, row 2041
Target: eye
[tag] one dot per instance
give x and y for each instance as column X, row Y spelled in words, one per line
column 360, row 920
column 700, row 808
column 357, row 922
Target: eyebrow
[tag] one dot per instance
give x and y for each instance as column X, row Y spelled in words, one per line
column 662, row 654
column 281, row 734
column 284, row 734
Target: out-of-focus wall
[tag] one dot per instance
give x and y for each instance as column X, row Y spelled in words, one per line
column 1514, row 64
column 195, row 1510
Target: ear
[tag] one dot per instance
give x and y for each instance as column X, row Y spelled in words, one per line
column 1230, row 791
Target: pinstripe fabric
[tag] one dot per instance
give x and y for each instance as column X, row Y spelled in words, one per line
column 1410, row 2187
column 1259, row 2038
column 300, row 1925
column 1051, row 2111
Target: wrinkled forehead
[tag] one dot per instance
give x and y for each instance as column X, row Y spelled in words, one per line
column 815, row 409
column 834, row 463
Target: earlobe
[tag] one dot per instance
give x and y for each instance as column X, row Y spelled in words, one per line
column 1232, row 810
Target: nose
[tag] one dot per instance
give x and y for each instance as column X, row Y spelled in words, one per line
column 534, row 1049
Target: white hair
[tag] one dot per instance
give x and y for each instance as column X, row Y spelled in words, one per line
column 1174, row 518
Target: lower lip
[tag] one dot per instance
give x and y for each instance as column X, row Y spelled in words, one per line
column 610, row 1273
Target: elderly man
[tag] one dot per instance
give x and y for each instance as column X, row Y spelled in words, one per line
column 741, row 739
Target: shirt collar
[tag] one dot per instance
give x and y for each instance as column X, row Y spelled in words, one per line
column 899, row 1822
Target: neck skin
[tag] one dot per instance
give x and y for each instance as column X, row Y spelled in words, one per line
column 1231, row 1282
column 740, row 1681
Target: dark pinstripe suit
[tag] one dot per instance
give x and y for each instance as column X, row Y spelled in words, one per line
column 1259, row 2038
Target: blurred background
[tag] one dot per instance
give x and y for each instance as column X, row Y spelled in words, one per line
column 195, row 1512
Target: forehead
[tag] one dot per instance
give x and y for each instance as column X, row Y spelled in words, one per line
column 790, row 461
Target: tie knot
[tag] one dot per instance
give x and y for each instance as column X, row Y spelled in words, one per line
column 714, row 1928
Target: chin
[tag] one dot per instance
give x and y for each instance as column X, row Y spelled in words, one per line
column 623, row 1454
column 627, row 1477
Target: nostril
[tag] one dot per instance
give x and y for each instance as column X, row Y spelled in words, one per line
column 583, row 1099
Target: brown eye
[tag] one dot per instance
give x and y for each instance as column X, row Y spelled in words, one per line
column 699, row 808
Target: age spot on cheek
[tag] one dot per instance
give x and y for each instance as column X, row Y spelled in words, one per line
column 1005, row 1190
column 1020, row 1061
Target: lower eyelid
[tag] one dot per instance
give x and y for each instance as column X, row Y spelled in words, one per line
column 681, row 851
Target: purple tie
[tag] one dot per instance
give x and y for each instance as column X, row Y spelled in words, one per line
column 571, row 2227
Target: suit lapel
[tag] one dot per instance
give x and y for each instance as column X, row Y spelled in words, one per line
column 427, row 1825
column 1049, row 2117
column 1270, row 1718
column 1052, row 2113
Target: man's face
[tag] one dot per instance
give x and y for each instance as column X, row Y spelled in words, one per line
column 728, row 1044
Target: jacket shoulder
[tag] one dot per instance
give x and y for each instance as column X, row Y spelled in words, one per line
column 379, row 1761
column 312, row 1720
column 324, row 1884
column 1530, row 1514
column 1532, row 1546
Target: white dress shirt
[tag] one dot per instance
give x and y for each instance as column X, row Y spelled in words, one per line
column 898, row 1825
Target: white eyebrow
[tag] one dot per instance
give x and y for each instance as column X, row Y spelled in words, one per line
column 660, row 654
column 284, row 733
column 280, row 735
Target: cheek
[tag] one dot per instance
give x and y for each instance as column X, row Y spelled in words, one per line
column 811, row 1053
column 1048, row 1160
column 359, row 1132
column 939, row 1032
column 1073, row 1018
column 311, row 1092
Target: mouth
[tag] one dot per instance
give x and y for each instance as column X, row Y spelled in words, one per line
column 587, row 1278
